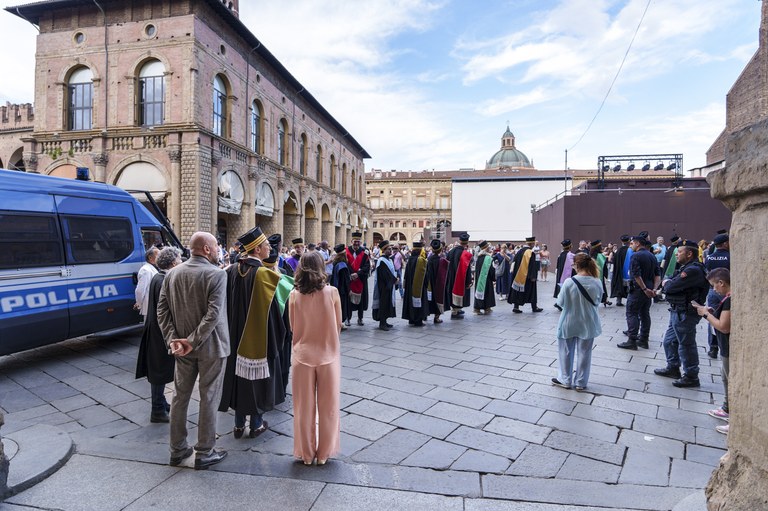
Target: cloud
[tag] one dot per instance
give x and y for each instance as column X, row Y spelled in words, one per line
column 494, row 107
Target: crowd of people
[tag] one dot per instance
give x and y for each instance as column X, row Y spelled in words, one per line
column 241, row 321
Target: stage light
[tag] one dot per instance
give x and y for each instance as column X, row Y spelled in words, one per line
column 631, row 167
column 646, row 167
column 617, row 168
column 660, row 166
column 606, row 168
column 672, row 166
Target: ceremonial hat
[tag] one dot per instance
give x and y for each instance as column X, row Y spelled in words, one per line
column 464, row 239
column 298, row 241
column 357, row 235
column 270, row 261
column 595, row 243
column 639, row 238
column 435, row 244
column 275, row 239
column 384, row 244
column 252, row 239
column 483, row 244
column 720, row 239
column 644, row 234
column 530, row 238
column 674, row 238
column 418, row 244
column 339, row 248
column 690, row 244
column 625, row 237
column 566, row 243
column 722, row 231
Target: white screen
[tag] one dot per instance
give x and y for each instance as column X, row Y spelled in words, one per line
column 499, row 210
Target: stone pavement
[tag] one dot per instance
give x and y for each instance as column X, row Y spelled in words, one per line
column 454, row 416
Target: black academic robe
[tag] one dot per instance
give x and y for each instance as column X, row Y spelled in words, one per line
column 560, row 268
column 454, row 256
column 433, row 274
column 252, row 396
column 410, row 312
column 593, row 254
column 362, row 274
column 385, row 282
column 153, row 361
column 340, row 280
column 618, row 288
column 529, row 294
column 504, row 281
column 489, row 296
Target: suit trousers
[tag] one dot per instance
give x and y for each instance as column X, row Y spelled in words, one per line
column 316, row 407
column 211, row 373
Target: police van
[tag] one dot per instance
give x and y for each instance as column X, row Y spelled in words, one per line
column 70, row 252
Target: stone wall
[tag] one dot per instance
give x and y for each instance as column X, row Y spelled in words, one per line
column 741, row 481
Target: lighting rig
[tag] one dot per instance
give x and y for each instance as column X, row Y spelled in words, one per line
column 645, row 162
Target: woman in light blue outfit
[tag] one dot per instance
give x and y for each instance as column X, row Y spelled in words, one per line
column 579, row 322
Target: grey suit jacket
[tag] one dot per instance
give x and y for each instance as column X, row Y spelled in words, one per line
column 193, row 306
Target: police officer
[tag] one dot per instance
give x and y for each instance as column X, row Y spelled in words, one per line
column 720, row 258
column 688, row 284
column 644, row 279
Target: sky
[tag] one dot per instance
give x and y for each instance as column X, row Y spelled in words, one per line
column 432, row 84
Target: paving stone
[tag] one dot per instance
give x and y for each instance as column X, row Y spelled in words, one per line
column 457, row 355
column 587, row 447
column 665, row 446
column 588, row 493
column 643, row 466
column 580, row 426
column 364, row 427
column 32, row 377
column 665, row 388
column 585, row 469
column 503, row 363
column 506, row 505
column 345, row 400
column 541, row 401
column 432, row 359
column 482, row 389
column 351, row 444
column 487, row 442
column 430, row 378
column 432, row 426
column 518, row 429
column 61, row 370
column 482, row 462
column 392, row 448
column 455, row 372
column 622, row 405
column 374, row 368
column 704, row 455
column 689, row 418
column 447, row 482
column 356, row 374
column 604, row 415
column 93, row 415
column 399, row 384
column 54, row 391
column 361, row 389
column 516, row 411
column 560, row 393
column 538, row 461
column 374, row 410
column 351, row 362
column 406, row 401
column 662, row 428
column 367, row 355
column 480, row 368
column 19, row 399
column 654, row 399
column 457, row 397
column 505, row 383
column 435, row 454
column 386, row 350
column 687, row 474
column 407, row 363
column 711, row 438
column 30, row 414
column 460, row 414
column 336, row 497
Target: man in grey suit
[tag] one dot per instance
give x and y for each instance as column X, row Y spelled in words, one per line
column 192, row 312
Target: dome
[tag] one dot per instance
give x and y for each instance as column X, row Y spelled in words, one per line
column 508, row 156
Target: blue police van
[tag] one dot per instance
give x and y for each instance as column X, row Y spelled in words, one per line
column 70, row 251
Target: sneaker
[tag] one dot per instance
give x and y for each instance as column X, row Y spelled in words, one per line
column 722, row 429
column 558, row 383
column 668, row 372
column 719, row 414
column 686, row 381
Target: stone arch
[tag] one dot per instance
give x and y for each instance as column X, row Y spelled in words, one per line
column 344, row 178
column 326, row 225
column 265, row 207
column 311, row 222
column 16, row 160
column 144, row 176
column 332, row 170
column 377, row 238
column 231, row 196
column 68, row 162
column 398, row 236
column 291, row 216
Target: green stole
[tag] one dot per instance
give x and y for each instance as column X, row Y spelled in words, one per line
column 483, row 278
column 600, row 260
column 284, row 288
column 418, row 279
column 251, row 362
column 670, row 270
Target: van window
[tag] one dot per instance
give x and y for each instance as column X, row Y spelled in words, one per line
column 98, row 239
column 29, row 241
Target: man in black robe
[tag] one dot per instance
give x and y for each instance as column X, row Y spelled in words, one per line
column 384, row 287
column 459, row 295
column 276, row 241
column 564, row 265
column 437, row 271
column 619, row 284
column 359, row 269
column 524, row 274
column 415, row 301
column 485, row 278
column 340, row 279
column 253, row 394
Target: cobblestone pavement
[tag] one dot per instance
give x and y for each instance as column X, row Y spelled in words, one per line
column 460, row 415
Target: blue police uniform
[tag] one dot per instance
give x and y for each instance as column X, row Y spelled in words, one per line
column 720, row 258
column 644, row 265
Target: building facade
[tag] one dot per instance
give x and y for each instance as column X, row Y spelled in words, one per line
column 178, row 97
column 16, row 123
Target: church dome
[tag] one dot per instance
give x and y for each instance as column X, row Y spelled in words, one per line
column 508, row 156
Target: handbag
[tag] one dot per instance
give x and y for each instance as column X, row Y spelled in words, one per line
column 584, row 292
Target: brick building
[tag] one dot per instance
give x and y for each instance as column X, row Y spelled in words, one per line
column 178, row 97
column 16, row 122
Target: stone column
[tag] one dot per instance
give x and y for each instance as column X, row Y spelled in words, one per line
column 4, row 464
column 174, row 195
column 741, row 480
column 100, row 161
column 327, row 232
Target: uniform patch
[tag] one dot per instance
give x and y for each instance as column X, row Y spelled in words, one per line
column 683, row 275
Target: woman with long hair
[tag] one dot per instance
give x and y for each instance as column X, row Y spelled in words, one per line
column 314, row 309
column 579, row 322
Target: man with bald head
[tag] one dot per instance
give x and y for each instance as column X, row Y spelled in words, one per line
column 192, row 312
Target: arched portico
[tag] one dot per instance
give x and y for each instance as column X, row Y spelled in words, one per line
column 266, row 216
column 291, row 217
column 326, row 225
column 311, row 223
